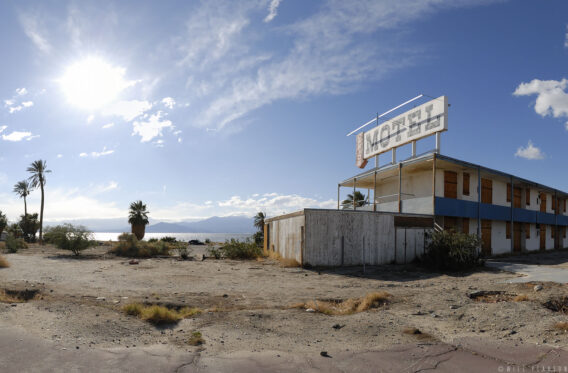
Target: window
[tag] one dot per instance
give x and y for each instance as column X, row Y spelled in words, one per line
column 465, row 184
column 486, row 191
column 527, row 230
column 542, row 202
column 450, row 184
column 517, row 197
column 508, row 229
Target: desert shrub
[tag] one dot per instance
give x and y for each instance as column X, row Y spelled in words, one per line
column 15, row 230
column 14, row 244
column 449, row 250
column 196, row 339
column 153, row 240
column 348, row 306
column 168, row 239
column 4, row 263
column 214, row 252
column 207, row 241
column 183, row 250
column 234, row 249
column 29, row 224
column 74, row 238
column 129, row 246
column 258, row 238
column 3, row 222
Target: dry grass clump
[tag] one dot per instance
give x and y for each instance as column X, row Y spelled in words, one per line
column 3, row 262
column 349, row 306
column 196, row 339
column 521, row 298
column 156, row 314
column 17, row 296
column 2, row 246
column 284, row 262
column 561, row 325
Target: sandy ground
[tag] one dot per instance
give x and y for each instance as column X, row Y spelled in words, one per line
column 246, row 304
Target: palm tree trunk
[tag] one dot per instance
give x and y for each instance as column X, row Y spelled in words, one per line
column 41, row 216
column 25, row 208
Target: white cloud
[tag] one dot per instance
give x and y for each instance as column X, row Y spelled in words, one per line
column 272, row 10
column 128, row 110
column 15, row 109
column 102, row 188
column 12, row 105
column 2, row 128
column 9, row 102
column 169, row 102
column 32, row 28
column 329, row 52
column 529, row 152
column 551, row 99
column 21, row 91
column 27, row 104
column 108, row 125
column 104, row 152
column 90, row 118
column 59, row 155
column 18, row 136
column 151, row 128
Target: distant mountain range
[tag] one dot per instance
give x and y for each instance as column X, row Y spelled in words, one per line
column 215, row 224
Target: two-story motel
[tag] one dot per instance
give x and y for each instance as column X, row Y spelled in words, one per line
column 510, row 214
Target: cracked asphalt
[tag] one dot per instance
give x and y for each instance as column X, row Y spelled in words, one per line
column 22, row 352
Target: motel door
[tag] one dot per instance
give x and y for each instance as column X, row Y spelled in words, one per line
column 486, row 237
column 517, row 237
column 543, row 237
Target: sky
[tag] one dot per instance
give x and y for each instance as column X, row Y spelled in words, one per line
column 216, row 108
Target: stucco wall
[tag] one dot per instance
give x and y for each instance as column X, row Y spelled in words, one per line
column 500, row 244
column 533, row 243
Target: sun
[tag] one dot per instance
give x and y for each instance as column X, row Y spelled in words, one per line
column 92, row 83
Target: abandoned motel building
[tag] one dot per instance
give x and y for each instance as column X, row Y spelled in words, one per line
column 407, row 199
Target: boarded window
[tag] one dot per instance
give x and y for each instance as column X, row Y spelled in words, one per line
column 542, row 202
column 465, row 225
column 450, row 184
column 486, row 191
column 517, row 197
column 528, row 197
column 508, row 192
column 465, row 184
column 508, row 229
column 527, row 230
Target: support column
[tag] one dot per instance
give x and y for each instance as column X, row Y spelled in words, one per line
column 434, row 184
column 338, row 186
column 354, row 203
column 399, row 186
column 512, row 219
column 393, row 156
column 375, row 192
column 414, row 149
column 479, row 202
column 377, row 161
column 438, row 141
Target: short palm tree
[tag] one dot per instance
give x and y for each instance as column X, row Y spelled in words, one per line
column 23, row 189
column 259, row 221
column 138, row 218
column 38, row 169
column 359, row 200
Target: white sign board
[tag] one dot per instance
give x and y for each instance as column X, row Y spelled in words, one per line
column 422, row 121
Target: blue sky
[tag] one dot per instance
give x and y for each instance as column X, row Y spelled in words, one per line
column 222, row 108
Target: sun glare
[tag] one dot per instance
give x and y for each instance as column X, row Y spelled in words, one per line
column 92, row 83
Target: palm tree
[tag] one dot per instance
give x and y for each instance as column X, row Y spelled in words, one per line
column 259, row 221
column 23, row 189
column 359, row 200
column 38, row 169
column 138, row 218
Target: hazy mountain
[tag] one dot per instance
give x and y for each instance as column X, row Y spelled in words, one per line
column 215, row 224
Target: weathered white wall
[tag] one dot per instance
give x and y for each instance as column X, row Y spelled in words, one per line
column 410, row 243
column 285, row 237
column 500, row 244
column 533, row 243
column 366, row 236
column 500, row 193
column 549, row 239
column 534, row 206
column 472, row 184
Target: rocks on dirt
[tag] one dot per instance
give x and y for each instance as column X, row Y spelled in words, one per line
column 324, row 354
column 537, row 288
column 337, row 326
column 133, row 261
